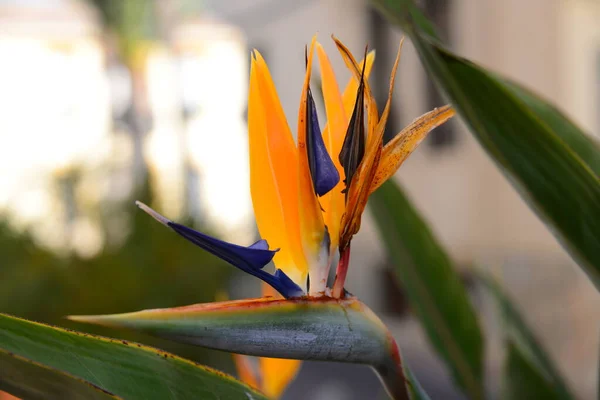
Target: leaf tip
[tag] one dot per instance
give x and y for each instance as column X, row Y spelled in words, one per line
column 163, row 220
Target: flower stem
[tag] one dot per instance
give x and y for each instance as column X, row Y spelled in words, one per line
column 391, row 373
column 341, row 272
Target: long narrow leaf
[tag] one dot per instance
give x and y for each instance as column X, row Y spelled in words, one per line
column 125, row 369
column 522, row 380
column 528, row 353
column 536, row 148
column 584, row 145
column 30, row 380
column 433, row 287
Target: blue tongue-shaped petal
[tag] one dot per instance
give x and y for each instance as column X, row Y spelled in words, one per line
column 260, row 245
column 245, row 258
column 323, row 172
column 249, row 259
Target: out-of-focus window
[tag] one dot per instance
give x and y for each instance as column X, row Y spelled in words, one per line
column 214, row 78
column 55, row 114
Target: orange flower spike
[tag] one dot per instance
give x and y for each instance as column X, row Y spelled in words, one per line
column 314, row 235
column 337, row 120
column 397, row 150
column 334, row 202
column 277, row 374
column 273, row 173
column 243, row 366
column 358, row 189
column 349, row 96
column 356, row 193
column 330, row 88
column 358, row 75
column 378, row 137
column 337, row 123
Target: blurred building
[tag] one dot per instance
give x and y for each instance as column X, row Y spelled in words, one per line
column 55, row 115
column 72, row 147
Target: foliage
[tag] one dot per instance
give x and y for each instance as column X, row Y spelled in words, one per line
column 550, row 162
column 96, row 366
column 433, row 287
column 133, row 22
column 37, row 284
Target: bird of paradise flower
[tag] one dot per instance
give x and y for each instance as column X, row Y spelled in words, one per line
column 309, row 197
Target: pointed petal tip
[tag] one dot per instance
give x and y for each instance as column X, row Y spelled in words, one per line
column 353, row 146
column 90, row 319
column 76, row 318
column 163, row 220
column 249, row 259
column 397, row 150
column 277, row 374
column 261, row 244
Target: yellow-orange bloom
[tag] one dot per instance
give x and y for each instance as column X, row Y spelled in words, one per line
column 309, row 195
column 302, row 205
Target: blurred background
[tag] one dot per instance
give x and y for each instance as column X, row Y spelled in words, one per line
column 106, row 101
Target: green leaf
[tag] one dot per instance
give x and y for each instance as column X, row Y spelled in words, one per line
column 319, row 329
column 126, row 369
column 541, row 153
column 522, row 338
column 414, row 387
column 522, row 380
column 433, row 287
column 584, row 145
column 47, row 383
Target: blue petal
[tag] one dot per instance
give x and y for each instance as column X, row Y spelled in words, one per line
column 260, row 245
column 245, row 258
column 289, row 286
column 249, row 259
column 323, row 172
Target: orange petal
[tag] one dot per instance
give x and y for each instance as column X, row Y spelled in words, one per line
column 334, row 202
column 337, row 120
column 277, row 374
column 359, row 189
column 377, row 139
column 315, row 239
column 356, row 70
column 351, row 218
column 243, row 366
column 402, row 145
column 333, row 134
column 349, row 96
column 273, row 173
